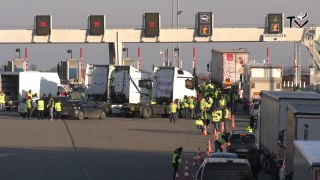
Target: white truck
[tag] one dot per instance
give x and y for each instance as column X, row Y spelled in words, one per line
column 38, row 82
column 226, row 66
column 302, row 124
column 307, row 160
column 258, row 77
column 271, row 132
column 168, row 84
column 117, row 85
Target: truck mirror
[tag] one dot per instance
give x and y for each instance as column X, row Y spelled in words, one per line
column 208, row 67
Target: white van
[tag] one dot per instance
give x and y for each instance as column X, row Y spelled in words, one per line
column 224, row 168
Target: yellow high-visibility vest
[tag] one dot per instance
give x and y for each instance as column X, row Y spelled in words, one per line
column 216, row 115
column 173, row 107
column 28, row 103
column 2, row 97
column 40, row 105
column 58, row 106
column 199, row 122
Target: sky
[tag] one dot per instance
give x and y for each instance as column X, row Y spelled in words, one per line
column 19, row 14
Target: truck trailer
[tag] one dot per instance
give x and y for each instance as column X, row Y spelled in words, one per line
column 258, row 77
column 303, row 123
column 306, row 160
column 226, row 66
column 272, row 125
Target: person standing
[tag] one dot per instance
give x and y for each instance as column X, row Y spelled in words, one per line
column 57, row 108
column 235, row 99
column 29, row 107
column 191, row 107
column 40, row 108
column 216, row 118
column 173, row 111
column 226, row 115
column 50, row 106
column 176, row 160
column 2, row 101
column 28, row 94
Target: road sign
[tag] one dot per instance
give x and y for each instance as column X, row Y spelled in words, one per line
column 96, row 25
column 275, row 24
column 43, row 25
column 204, row 24
column 151, row 24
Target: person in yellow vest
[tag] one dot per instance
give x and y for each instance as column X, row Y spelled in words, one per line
column 222, row 101
column 173, row 111
column 176, row 160
column 40, row 108
column 57, row 108
column 185, row 107
column 226, row 115
column 191, row 107
column 228, row 99
column 50, row 106
column 222, row 138
column 234, row 101
column 249, row 129
column 200, row 124
column 202, row 106
column 28, row 94
column 2, row 101
column 208, row 111
column 216, row 118
column 29, row 106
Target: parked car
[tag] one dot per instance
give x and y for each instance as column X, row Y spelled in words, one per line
column 241, row 142
column 80, row 109
column 224, row 168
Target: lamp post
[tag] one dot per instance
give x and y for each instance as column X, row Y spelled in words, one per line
column 70, row 51
column 178, row 45
column 18, row 50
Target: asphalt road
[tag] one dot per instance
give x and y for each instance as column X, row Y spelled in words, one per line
column 114, row 148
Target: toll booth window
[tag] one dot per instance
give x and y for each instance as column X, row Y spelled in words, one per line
column 189, row 83
column 145, row 84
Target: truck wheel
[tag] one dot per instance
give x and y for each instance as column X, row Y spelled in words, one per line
column 80, row 115
column 102, row 115
column 146, row 112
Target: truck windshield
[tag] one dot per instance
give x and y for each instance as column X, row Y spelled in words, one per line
column 226, row 171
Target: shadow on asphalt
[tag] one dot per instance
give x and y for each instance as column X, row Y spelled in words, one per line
column 165, row 131
column 93, row 164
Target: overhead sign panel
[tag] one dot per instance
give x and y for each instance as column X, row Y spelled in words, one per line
column 43, row 25
column 151, row 24
column 275, row 23
column 96, row 25
column 204, row 24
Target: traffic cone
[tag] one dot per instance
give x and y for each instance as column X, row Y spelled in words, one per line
column 198, row 160
column 232, row 121
column 209, row 145
column 186, row 171
column 177, row 176
column 222, row 126
column 207, row 153
column 205, row 131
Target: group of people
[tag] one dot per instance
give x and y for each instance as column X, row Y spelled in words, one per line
column 51, row 105
column 215, row 107
column 186, row 108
